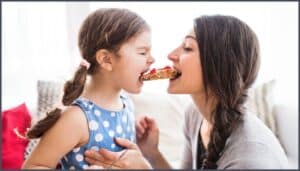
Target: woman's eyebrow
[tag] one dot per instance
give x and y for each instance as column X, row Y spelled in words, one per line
column 192, row 37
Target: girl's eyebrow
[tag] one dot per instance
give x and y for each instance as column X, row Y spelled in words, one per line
column 192, row 37
column 144, row 47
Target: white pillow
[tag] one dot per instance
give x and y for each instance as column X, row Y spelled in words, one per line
column 261, row 102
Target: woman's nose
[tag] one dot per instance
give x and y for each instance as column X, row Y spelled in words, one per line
column 173, row 57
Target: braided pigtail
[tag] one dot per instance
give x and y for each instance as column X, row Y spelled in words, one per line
column 72, row 90
column 225, row 121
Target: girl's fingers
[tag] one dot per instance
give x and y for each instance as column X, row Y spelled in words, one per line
column 143, row 122
column 139, row 128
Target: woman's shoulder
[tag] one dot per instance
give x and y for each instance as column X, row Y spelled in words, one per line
column 253, row 145
column 192, row 119
column 191, row 111
column 254, row 130
column 253, row 155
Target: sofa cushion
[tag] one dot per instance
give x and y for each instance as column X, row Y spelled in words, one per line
column 288, row 129
column 13, row 147
column 49, row 94
column 261, row 102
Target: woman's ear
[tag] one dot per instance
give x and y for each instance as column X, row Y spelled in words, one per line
column 104, row 59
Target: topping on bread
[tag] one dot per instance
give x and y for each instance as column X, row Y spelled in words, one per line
column 162, row 73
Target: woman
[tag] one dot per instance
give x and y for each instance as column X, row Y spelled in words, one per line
column 218, row 61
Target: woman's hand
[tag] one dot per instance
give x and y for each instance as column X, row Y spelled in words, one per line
column 147, row 135
column 130, row 158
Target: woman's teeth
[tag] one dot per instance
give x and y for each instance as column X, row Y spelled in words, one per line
column 178, row 74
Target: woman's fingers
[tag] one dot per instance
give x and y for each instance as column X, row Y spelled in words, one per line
column 101, row 156
column 95, row 167
column 109, row 155
column 104, row 166
column 104, row 158
column 126, row 143
column 94, row 155
column 97, row 163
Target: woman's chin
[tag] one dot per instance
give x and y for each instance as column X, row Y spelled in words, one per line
column 172, row 90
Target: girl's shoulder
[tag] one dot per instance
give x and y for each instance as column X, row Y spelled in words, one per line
column 73, row 115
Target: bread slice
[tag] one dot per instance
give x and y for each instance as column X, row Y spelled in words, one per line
column 163, row 73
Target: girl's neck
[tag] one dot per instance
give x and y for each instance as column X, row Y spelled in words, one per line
column 103, row 93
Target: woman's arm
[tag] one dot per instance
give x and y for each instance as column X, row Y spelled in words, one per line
column 130, row 158
column 136, row 155
column 58, row 140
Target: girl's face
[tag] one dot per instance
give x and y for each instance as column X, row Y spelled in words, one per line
column 186, row 59
column 135, row 58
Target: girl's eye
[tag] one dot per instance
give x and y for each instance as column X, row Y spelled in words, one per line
column 144, row 53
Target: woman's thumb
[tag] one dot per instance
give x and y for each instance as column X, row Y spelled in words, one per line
column 126, row 143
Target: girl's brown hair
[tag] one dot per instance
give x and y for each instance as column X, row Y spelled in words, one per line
column 229, row 54
column 102, row 29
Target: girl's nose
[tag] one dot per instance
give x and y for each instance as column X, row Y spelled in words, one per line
column 151, row 60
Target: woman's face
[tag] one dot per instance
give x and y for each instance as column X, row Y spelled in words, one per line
column 186, row 59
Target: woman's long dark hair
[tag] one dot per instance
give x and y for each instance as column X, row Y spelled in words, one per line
column 229, row 54
column 102, row 29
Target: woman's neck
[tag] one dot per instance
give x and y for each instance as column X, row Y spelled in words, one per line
column 103, row 92
column 205, row 107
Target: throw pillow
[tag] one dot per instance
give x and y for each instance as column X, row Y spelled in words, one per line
column 49, row 93
column 13, row 147
column 261, row 102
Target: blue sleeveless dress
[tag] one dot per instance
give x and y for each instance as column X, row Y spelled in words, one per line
column 104, row 125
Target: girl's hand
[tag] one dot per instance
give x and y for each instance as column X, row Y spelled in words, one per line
column 130, row 158
column 147, row 135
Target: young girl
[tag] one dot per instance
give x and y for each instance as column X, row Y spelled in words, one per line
column 115, row 46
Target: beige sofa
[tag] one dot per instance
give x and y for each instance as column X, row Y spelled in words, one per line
column 168, row 110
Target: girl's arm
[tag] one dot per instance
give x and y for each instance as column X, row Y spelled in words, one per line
column 158, row 161
column 70, row 131
column 148, row 139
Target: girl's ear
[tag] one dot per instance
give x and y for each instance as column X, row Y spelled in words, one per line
column 104, row 59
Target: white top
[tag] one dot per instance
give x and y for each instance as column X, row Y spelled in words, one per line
column 251, row 146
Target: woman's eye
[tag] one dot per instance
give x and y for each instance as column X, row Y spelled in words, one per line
column 144, row 53
column 187, row 49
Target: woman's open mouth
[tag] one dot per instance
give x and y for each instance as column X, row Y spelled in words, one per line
column 178, row 74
